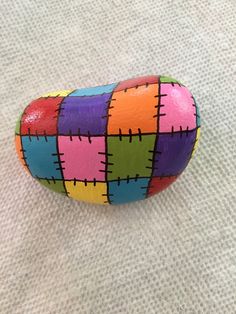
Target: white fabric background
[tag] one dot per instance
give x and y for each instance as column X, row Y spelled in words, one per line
column 173, row 253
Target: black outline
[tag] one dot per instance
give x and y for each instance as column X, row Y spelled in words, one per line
column 157, row 136
column 22, row 149
column 194, row 144
column 106, row 136
column 146, row 84
column 118, row 179
column 57, row 146
column 107, row 163
column 187, row 130
column 51, row 180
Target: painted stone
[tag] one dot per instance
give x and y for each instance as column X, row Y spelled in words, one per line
column 110, row 144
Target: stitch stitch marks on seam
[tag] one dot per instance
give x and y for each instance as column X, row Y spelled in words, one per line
column 132, row 112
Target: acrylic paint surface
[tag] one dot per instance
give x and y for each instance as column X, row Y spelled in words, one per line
column 110, row 144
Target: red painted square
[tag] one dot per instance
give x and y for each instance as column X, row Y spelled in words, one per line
column 40, row 117
column 159, row 184
column 136, row 82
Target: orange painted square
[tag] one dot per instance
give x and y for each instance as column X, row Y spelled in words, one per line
column 134, row 109
column 19, row 151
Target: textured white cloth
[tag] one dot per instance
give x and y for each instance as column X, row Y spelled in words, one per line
column 173, row 253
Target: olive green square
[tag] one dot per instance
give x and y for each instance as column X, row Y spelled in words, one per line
column 167, row 79
column 17, row 129
column 55, row 185
column 130, row 156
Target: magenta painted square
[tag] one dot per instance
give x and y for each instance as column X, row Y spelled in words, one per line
column 82, row 157
column 177, row 111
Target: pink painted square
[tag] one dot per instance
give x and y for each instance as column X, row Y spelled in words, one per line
column 178, row 111
column 82, row 158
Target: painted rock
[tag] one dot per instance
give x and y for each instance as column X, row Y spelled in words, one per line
column 110, row 144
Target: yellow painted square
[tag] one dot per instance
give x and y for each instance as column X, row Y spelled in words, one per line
column 87, row 192
column 196, row 143
column 59, row 93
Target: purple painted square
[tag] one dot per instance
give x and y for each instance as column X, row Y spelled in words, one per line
column 173, row 151
column 84, row 115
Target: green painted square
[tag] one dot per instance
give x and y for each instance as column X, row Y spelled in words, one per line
column 55, row 185
column 130, row 156
column 167, row 79
column 17, row 129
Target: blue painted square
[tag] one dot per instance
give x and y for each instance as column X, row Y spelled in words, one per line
column 125, row 191
column 41, row 156
column 91, row 91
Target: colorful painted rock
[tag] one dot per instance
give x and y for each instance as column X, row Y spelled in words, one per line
column 110, row 144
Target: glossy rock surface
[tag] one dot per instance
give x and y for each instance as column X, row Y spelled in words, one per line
column 110, row 144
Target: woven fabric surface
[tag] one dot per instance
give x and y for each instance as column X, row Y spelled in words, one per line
column 172, row 253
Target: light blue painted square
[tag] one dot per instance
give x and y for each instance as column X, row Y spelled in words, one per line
column 124, row 191
column 39, row 156
column 90, row 91
column 198, row 116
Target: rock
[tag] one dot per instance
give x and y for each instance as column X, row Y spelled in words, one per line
column 110, row 144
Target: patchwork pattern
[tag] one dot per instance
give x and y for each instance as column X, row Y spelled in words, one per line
column 177, row 109
column 167, row 79
column 42, row 157
column 136, row 82
column 130, row 156
column 18, row 122
column 97, row 90
column 54, row 185
column 110, row 144
column 141, row 117
column 59, row 93
column 20, row 152
column 125, row 191
column 94, row 192
column 196, row 142
column 84, row 115
column 83, row 158
column 158, row 184
column 40, row 117
column 173, row 152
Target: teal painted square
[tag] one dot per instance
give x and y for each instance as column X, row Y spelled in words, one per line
column 198, row 116
column 41, row 156
column 125, row 191
column 90, row 91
